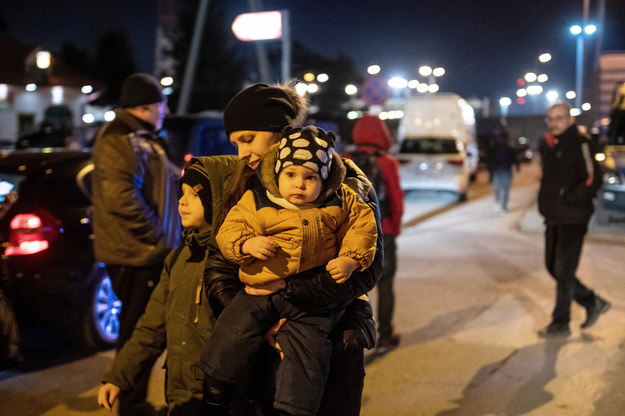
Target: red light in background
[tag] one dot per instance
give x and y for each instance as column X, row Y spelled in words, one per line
column 520, row 82
column 520, row 100
column 188, row 157
column 456, row 162
column 25, row 221
column 29, row 235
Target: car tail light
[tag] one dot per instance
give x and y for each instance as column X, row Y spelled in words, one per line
column 456, row 162
column 30, row 233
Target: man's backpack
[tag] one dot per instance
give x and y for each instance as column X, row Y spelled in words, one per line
column 368, row 163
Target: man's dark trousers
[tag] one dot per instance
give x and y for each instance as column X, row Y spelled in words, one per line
column 386, row 296
column 563, row 248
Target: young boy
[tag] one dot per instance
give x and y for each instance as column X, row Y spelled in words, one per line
column 178, row 316
column 299, row 217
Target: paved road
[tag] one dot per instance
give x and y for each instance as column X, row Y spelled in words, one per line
column 472, row 292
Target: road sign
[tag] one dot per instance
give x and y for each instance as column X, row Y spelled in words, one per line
column 258, row 26
column 375, row 90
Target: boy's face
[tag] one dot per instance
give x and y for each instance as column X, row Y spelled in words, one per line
column 191, row 209
column 299, row 185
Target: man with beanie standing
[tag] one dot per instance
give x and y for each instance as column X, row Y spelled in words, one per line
column 134, row 208
column 373, row 141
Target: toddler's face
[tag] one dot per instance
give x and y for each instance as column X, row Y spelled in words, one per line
column 299, row 185
column 191, row 209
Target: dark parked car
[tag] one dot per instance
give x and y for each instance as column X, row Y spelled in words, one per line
column 611, row 196
column 53, row 278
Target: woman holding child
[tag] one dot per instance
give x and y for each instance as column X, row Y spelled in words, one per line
column 253, row 120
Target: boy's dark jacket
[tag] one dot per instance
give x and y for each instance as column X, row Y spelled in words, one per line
column 570, row 179
column 173, row 320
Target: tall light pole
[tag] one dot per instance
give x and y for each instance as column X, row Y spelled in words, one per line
column 581, row 32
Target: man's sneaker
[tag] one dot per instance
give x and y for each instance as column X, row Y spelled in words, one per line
column 555, row 330
column 593, row 312
column 386, row 344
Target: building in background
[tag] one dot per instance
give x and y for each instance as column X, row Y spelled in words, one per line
column 37, row 89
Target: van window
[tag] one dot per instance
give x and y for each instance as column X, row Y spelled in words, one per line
column 429, row 145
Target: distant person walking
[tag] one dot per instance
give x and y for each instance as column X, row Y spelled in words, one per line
column 569, row 182
column 135, row 192
column 502, row 157
column 373, row 141
column 616, row 133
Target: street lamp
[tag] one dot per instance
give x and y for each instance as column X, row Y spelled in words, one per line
column 373, row 69
column 579, row 32
column 544, row 57
column 504, row 104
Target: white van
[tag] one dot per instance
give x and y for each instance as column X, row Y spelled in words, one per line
column 438, row 144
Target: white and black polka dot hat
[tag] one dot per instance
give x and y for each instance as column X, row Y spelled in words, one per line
column 309, row 146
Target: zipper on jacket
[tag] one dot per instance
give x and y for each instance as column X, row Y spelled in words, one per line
column 198, row 300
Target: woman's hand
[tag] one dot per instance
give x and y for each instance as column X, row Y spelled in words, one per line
column 107, row 395
column 262, row 248
column 341, row 268
column 270, row 336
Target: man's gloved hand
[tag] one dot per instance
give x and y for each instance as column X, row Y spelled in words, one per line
column 356, row 329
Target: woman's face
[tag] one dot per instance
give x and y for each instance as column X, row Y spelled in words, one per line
column 252, row 145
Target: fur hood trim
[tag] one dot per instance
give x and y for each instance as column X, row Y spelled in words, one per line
column 331, row 185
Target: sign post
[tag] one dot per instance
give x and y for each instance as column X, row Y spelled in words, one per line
column 261, row 26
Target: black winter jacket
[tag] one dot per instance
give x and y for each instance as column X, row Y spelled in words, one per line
column 135, row 194
column 570, row 179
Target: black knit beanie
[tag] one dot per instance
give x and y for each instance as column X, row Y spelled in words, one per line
column 310, row 147
column 197, row 178
column 260, row 108
column 140, row 89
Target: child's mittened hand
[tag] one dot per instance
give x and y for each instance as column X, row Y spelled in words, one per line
column 341, row 268
column 263, row 248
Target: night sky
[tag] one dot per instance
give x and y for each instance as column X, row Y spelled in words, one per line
column 484, row 45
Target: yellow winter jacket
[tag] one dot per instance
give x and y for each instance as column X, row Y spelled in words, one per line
column 341, row 225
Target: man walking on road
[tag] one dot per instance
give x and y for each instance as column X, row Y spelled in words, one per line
column 568, row 185
column 135, row 194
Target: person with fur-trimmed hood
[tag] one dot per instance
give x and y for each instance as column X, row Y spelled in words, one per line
column 300, row 216
column 178, row 317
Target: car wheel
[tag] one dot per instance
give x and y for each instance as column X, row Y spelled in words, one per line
column 100, row 326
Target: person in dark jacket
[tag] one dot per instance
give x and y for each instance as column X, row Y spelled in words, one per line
column 135, row 190
column 373, row 140
column 178, row 317
column 253, row 120
column 568, row 185
column 10, row 351
column 502, row 157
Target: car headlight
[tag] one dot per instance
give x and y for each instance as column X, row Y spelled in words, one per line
column 612, row 178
